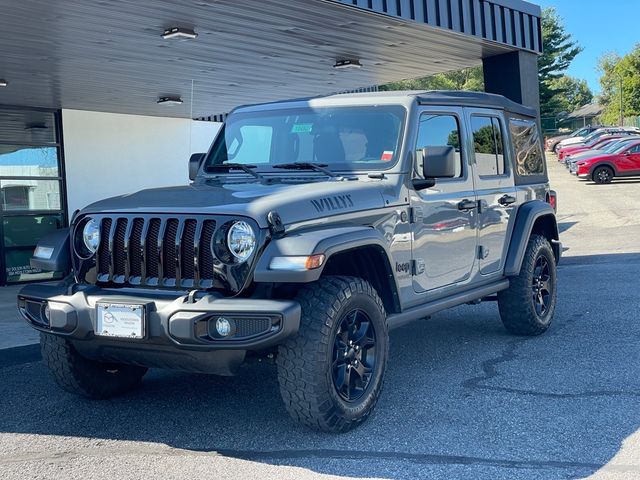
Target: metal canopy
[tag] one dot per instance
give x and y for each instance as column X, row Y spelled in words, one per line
column 109, row 55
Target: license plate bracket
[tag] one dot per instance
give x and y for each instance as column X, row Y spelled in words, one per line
column 120, row 320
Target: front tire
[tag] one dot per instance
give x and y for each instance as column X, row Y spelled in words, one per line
column 82, row 376
column 528, row 305
column 603, row 175
column 331, row 372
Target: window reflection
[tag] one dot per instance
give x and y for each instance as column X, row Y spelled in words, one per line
column 18, row 161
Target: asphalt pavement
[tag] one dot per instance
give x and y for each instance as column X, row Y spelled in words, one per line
column 462, row 398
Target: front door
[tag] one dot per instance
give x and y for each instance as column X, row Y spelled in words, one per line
column 444, row 216
column 495, row 187
column 630, row 163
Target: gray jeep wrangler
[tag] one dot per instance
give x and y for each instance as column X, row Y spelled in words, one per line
column 310, row 229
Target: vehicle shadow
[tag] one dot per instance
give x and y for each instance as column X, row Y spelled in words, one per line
column 462, row 397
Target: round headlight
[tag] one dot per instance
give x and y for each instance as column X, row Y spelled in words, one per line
column 91, row 235
column 241, row 241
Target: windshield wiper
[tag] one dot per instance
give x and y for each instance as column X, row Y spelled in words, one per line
column 318, row 167
column 234, row 166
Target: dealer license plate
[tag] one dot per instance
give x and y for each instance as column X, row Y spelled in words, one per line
column 120, row 320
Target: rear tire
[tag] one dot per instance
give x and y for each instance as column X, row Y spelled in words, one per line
column 331, row 372
column 528, row 305
column 603, row 175
column 81, row 376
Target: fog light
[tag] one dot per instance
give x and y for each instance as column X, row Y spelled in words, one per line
column 46, row 312
column 224, row 326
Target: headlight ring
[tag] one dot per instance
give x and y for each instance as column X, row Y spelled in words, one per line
column 234, row 242
column 87, row 237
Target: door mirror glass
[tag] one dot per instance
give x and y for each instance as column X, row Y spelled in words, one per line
column 194, row 164
column 439, row 162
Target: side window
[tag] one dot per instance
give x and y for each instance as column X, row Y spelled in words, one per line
column 488, row 146
column 635, row 149
column 438, row 131
column 526, row 145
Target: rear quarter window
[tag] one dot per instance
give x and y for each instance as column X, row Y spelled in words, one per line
column 529, row 161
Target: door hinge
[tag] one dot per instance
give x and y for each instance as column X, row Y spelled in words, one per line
column 417, row 267
column 415, row 215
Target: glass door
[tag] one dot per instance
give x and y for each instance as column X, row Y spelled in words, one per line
column 31, row 189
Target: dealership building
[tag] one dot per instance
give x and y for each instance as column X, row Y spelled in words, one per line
column 107, row 98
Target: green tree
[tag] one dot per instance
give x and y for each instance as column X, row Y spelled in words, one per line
column 620, row 80
column 573, row 94
column 559, row 50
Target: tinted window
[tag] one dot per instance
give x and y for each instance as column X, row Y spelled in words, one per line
column 526, row 146
column 438, row 131
column 488, row 146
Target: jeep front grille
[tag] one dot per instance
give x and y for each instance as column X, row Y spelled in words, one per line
column 156, row 251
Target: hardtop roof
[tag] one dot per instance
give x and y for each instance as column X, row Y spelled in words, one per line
column 422, row 97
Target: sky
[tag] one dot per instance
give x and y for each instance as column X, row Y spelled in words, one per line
column 599, row 27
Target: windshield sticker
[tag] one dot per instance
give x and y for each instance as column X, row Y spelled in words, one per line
column 302, row 128
column 387, row 156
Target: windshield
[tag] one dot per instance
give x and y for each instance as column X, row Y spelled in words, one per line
column 343, row 138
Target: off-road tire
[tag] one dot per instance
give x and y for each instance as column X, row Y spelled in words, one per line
column 603, row 175
column 82, row 376
column 517, row 304
column 306, row 363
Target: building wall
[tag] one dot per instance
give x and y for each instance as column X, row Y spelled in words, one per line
column 109, row 154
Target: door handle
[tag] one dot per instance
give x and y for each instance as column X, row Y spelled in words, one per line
column 466, row 205
column 507, row 200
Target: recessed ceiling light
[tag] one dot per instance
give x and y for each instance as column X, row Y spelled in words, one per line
column 179, row 32
column 347, row 64
column 169, row 101
column 3, row 83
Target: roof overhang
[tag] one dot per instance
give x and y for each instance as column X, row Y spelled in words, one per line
column 110, row 56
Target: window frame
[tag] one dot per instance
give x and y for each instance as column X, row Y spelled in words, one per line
column 505, row 152
column 58, row 144
column 520, row 180
column 464, row 162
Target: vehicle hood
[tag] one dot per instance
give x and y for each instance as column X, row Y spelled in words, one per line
column 585, row 154
column 293, row 202
column 597, row 158
column 571, row 141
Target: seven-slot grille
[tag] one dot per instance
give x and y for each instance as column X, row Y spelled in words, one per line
column 156, row 251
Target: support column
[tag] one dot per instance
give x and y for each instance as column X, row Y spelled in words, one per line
column 514, row 75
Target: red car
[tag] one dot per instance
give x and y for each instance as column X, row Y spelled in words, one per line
column 595, row 145
column 604, row 168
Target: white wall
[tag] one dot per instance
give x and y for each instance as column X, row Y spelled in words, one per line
column 109, row 154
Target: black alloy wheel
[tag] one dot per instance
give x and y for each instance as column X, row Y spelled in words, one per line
column 354, row 355
column 541, row 286
column 603, row 175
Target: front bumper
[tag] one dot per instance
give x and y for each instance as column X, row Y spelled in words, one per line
column 177, row 327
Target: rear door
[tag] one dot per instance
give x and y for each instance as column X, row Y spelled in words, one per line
column 444, row 216
column 495, row 186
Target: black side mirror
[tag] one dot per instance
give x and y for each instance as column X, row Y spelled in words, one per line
column 194, row 164
column 437, row 162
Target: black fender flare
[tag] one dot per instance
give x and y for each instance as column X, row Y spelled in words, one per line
column 329, row 241
column 526, row 217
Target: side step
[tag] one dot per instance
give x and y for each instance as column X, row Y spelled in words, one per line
column 416, row 313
